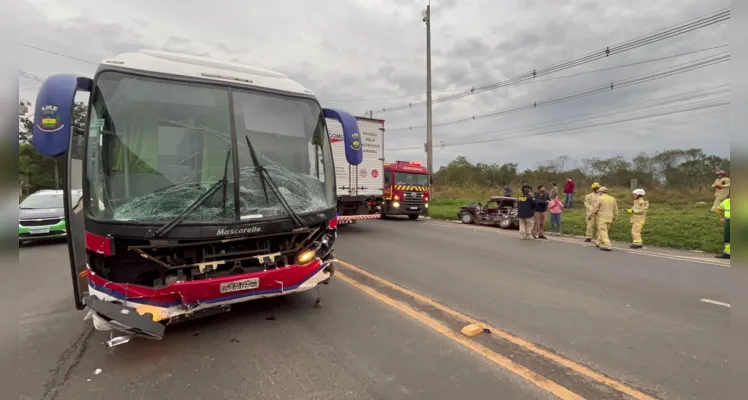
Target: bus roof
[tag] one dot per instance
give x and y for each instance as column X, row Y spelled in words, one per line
column 206, row 68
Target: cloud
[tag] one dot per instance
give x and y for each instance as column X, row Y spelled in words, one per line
column 364, row 55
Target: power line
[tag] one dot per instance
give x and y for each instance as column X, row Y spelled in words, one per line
column 694, row 108
column 624, row 65
column 391, row 97
column 651, row 60
column 666, row 33
column 57, row 54
column 30, row 76
column 647, row 105
column 597, row 114
column 678, row 69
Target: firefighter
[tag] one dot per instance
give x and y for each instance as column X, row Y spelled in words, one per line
column 589, row 203
column 605, row 211
column 724, row 216
column 638, row 217
column 721, row 188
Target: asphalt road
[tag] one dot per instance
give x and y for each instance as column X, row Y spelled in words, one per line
column 354, row 347
column 633, row 316
column 637, row 319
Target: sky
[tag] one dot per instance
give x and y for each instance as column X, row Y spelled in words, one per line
column 361, row 55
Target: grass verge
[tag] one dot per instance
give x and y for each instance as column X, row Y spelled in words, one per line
column 689, row 227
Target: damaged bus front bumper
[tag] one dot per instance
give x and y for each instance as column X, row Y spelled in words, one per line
column 139, row 311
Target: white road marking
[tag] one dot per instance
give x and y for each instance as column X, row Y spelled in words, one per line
column 715, row 302
column 681, row 258
column 579, row 241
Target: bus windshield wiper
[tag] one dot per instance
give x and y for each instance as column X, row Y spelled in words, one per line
column 266, row 178
column 167, row 227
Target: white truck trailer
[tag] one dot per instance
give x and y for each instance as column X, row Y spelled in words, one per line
column 360, row 187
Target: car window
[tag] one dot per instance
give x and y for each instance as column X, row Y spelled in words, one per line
column 43, row 201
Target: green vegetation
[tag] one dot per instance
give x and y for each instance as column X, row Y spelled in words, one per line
column 681, row 223
column 677, row 183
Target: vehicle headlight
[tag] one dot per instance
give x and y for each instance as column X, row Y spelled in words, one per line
column 426, row 205
column 397, row 198
column 305, row 257
column 396, row 204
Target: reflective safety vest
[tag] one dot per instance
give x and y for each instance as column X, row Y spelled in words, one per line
column 725, row 208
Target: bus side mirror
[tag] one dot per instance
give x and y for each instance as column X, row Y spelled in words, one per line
column 354, row 153
column 53, row 114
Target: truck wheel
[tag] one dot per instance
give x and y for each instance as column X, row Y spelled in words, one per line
column 413, row 216
column 466, row 219
column 505, row 224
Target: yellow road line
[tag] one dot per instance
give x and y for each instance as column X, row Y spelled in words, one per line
column 539, row 380
column 581, row 369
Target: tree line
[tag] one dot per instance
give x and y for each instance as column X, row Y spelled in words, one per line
column 675, row 169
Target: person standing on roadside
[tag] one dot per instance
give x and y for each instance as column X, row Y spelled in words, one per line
column 541, row 208
column 526, row 212
column 605, row 211
column 589, row 204
column 721, row 189
column 508, row 190
column 554, row 190
column 638, row 217
column 724, row 216
column 569, row 192
column 555, row 207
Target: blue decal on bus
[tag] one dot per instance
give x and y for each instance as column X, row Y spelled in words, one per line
column 53, row 115
column 351, row 136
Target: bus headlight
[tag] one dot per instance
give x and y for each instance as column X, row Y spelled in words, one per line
column 426, row 205
column 305, row 257
column 396, row 205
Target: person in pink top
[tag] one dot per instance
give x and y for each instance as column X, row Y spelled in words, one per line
column 555, row 207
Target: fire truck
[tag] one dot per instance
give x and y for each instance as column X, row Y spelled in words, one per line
column 406, row 189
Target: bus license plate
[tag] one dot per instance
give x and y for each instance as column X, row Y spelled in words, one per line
column 38, row 231
column 238, row 286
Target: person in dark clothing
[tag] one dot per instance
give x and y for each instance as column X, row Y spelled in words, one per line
column 541, row 207
column 508, row 190
column 526, row 212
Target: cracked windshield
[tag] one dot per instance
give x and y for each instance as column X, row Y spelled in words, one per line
column 389, row 199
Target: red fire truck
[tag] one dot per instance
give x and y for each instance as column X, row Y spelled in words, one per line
column 406, row 189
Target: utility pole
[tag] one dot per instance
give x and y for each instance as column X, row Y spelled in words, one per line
column 429, row 143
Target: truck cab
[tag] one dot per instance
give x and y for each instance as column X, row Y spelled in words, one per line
column 406, row 189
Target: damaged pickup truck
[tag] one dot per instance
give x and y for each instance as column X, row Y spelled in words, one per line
column 205, row 183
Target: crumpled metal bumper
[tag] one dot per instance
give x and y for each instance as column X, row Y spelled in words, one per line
column 113, row 316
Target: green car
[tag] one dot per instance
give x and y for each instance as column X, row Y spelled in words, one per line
column 41, row 216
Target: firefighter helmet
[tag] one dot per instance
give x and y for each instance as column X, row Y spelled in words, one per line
column 639, row 192
column 595, row 185
column 721, row 172
column 602, row 189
